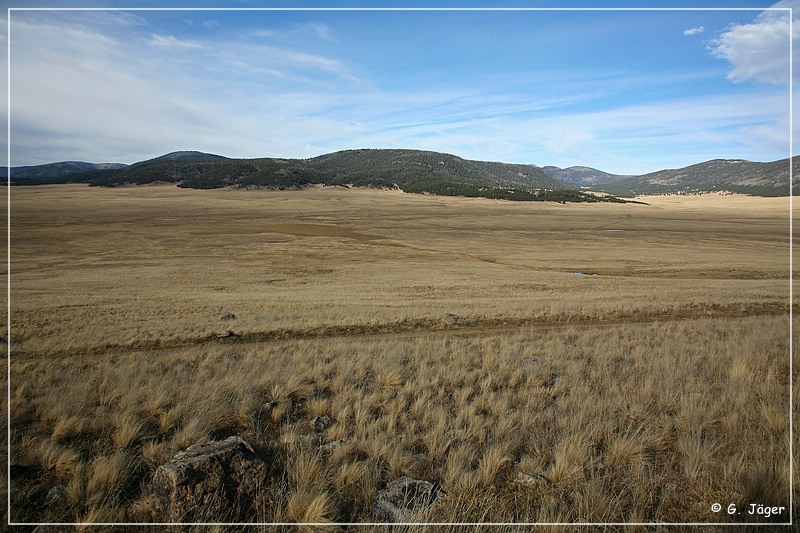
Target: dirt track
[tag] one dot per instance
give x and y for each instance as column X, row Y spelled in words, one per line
column 404, row 328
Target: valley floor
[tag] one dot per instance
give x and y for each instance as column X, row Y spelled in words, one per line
column 632, row 358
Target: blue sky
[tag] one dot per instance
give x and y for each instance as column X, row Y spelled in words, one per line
column 624, row 91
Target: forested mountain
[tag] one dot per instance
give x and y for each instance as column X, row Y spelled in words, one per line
column 55, row 172
column 419, row 171
column 734, row 175
column 415, row 171
column 190, row 155
column 582, row 176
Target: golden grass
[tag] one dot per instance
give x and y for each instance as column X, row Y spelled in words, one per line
column 646, row 393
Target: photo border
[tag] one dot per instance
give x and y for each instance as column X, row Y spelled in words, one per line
column 421, row 9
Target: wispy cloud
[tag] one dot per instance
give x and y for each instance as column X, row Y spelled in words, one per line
column 171, row 40
column 694, row 31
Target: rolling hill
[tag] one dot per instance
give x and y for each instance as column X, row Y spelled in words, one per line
column 415, row 171
column 419, row 171
column 582, row 176
column 187, row 155
column 734, row 175
column 56, row 172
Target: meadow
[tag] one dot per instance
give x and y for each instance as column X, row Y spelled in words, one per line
column 615, row 363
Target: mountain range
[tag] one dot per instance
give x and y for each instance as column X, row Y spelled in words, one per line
column 582, row 176
column 420, row 171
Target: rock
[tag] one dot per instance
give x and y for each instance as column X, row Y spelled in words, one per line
column 452, row 319
column 531, row 362
column 227, row 316
column 404, row 498
column 321, row 423
column 207, row 479
column 454, row 434
column 533, row 480
column 327, row 449
column 311, row 442
column 225, row 333
column 57, row 494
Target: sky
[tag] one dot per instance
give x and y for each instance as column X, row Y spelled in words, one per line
column 625, row 91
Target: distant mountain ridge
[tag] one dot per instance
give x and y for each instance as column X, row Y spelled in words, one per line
column 733, row 175
column 418, row 171
column 186, row 155
column 582, row 176
column 48, row 172
column 52, row 172
column 415, row 171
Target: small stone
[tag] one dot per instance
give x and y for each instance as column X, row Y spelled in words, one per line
column 404, row 498
column 531, row 479
column 327, row 449
column 454, row 434
column 321, row 423
column 454, row 319
column 225, row 333
column 57, row 494
column 227, row 316
column 532, row 362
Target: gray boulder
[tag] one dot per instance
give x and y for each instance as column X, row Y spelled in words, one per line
column 209, row 480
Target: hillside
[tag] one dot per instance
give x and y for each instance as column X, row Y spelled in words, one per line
column 55, row 172
column 187, row 155
column 414, row 171
column 734, row 175
column 582, row 176
column 418, row 171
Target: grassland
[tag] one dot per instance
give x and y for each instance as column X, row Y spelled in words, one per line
column 644, row 393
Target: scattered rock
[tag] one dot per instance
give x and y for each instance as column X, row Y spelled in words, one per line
column 454, row 434
column 452, row 319
column 531, row 479
column 555, row 377
column 227, row 316
column 225, row 333
column 532, row 362
column 327, row 449
column 207, row 479
column 311, row 442
column 321, row 423
column 403, row 498
column 57, row 494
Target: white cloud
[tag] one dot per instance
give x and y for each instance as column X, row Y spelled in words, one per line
column 759, row 51
column 694, row 31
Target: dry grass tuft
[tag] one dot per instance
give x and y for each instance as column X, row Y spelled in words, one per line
column 108, row 474
column 309, row 507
